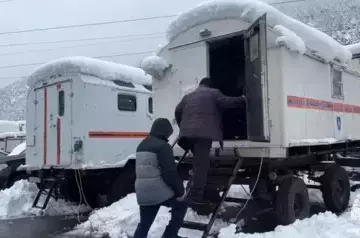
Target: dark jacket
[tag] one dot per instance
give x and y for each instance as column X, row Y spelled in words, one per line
column 199, row 114
column 157, row 179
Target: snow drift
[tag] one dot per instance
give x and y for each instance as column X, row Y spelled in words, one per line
column 17, row 202
column 89, row 66
column 250, row 10
column 155, row 66
column 121, row 218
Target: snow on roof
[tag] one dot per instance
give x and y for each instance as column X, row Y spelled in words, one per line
column 6, row 126
column 250, row 10
column 154, row 65
column 83, row 65
column 354, row 48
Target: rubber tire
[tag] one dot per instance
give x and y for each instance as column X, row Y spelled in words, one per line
column 284, row 204
column 332, row 201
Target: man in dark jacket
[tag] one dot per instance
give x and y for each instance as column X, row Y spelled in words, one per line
column 199, row 116
column 157, row 181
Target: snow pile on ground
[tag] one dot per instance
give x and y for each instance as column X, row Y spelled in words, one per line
column 17, row 202
column 289, row 39
column 323, row 225
column 251, row 10
column 155, row 66
column 89, row 66
column 121, row 218
column 354, row 48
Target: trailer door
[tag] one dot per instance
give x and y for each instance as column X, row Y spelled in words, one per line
column 256, row 81
column 53, row 130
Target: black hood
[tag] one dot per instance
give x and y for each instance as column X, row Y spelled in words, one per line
column 161, row 128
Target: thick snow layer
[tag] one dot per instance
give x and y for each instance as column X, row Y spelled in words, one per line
column 18, row 149
column 12, row 134
column 15, row 126
column 89, row 66
column 155, row 66
column 289, row 39
column 17, row 202
column 354, row 48
column 250, row 10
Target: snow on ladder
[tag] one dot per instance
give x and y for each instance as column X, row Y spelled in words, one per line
column 206, row 228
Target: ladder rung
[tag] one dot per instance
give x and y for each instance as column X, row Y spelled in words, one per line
column 194, row 225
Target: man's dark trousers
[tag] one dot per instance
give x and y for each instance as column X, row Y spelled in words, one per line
column 201, row 164
column 148, row 214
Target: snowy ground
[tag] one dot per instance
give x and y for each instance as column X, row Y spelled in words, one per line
column 16, row 202
column 120, row 220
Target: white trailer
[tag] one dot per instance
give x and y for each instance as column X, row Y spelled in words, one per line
column 86, row 116
column 12, row 133
column 303, row 101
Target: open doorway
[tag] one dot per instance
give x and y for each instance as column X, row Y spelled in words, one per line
column 227, row 70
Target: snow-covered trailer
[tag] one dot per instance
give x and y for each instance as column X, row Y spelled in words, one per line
column 12, row 133
column 86, row 117
column 355, row 50
column 303, row 100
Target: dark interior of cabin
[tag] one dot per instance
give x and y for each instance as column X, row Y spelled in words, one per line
column 227, row 70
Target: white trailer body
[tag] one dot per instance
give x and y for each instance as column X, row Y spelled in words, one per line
column 300, row 87
column 85, row 113
column 12, row 133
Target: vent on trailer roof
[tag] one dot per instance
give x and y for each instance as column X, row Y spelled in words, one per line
column 124, row 84
column 148, row 87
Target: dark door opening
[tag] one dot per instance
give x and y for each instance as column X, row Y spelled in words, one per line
column 227, row 70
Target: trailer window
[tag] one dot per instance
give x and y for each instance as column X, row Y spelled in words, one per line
column 61, row 106
column 337, row 84
column 127, row 102
column 150, row 105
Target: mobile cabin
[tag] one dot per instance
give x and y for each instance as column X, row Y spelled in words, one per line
column 303, row 101
column 86, row 115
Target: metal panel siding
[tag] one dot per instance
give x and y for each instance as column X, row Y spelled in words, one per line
column 99, row 113
column 311, row 80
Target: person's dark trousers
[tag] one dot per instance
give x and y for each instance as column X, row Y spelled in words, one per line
column 201, row 164
column 148, row 214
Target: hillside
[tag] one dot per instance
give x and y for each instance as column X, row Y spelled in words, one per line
column 12, row 101
column 338, row 18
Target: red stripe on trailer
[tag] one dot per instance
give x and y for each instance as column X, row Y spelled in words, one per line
column 45, row 125
column 58, row 140
column 321, row 105
column 117, row 134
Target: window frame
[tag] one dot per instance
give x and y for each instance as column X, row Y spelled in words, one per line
column 336, row 82
column 150, row 105
column 131, row 97
column 61, row 103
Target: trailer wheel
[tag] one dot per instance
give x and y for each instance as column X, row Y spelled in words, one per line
column 292, row 201
column 335, row 187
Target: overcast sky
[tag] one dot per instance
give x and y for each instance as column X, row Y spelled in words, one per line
column 19, row 15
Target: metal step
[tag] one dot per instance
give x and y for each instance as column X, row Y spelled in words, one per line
column 194, row 225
